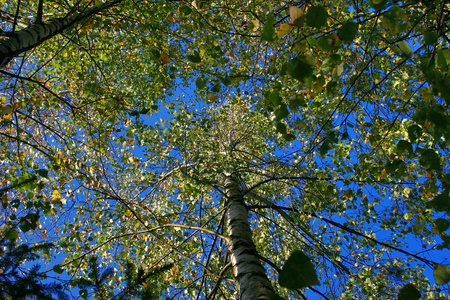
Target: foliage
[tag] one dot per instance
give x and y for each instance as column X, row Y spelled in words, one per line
column 17, row 282
column 137, row 281
column 119, row 130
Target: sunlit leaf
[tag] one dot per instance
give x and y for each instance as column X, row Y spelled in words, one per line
column 443, row 59
column 269, row 30
column 9, row 233
column 441, row 274
column 164, row 58
column 405, row 48
column 56, row 196
column 441, row 225
column 296, row 15
column 283, row 30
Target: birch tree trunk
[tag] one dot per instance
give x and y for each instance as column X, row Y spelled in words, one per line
column 247, row 269
column 13, row 44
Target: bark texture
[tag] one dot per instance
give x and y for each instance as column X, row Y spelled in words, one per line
column 247, row 269
column 13, row 44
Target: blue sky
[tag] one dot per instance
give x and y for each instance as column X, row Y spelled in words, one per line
column 414, row 244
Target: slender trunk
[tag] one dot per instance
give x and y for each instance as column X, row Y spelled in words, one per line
column 13, row 44
column 247, row 269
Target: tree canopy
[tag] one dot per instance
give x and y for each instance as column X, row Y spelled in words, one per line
column 253, row 149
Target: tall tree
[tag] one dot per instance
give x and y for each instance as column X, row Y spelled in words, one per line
column 18, row 281
column 14, row 42
column 336, row 151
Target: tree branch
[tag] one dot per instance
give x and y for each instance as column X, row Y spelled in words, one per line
column 219, row 280
column 39, row 12
column 345, row 228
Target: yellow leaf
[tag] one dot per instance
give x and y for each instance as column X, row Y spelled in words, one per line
column 165, row 58
column 296, row 15
column 56, row 196
column 212, row 97
column 283, row 30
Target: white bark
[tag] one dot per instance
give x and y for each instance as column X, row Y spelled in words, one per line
column 13, row 44
column 247, row 269
column 28, row 38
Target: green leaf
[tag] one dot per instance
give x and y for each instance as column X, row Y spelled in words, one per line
column 200, row 83
column 57, row 269
column 392, row 167
column 316, row 16
column 268, row 33
column 194, row 58
column 275, row 98
column 445, row 244
column 216, row 88
column 282, row 112
column 438, row 119
column 442, row 87
column 325, row 43
column 404, row 146
column 186, row 10
column 25, row 226
column 378, row 4
column 324, row 148
column 441, row 274
column 83, row 293
column 430, row 160
column 226, row 81
column 298, row 272
column 405, row 49
column 443, row 59
column 144, row 111
column 43, row 173
column 9, row 233
column 289, row 137
column 441, row 202
column 276, row 297
column 414, row 132
column 441, row 225
column 300, row 68
column 409, row 292
column 281, row 128
column 347, row 32
column 430, row 38
column 297, row 101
